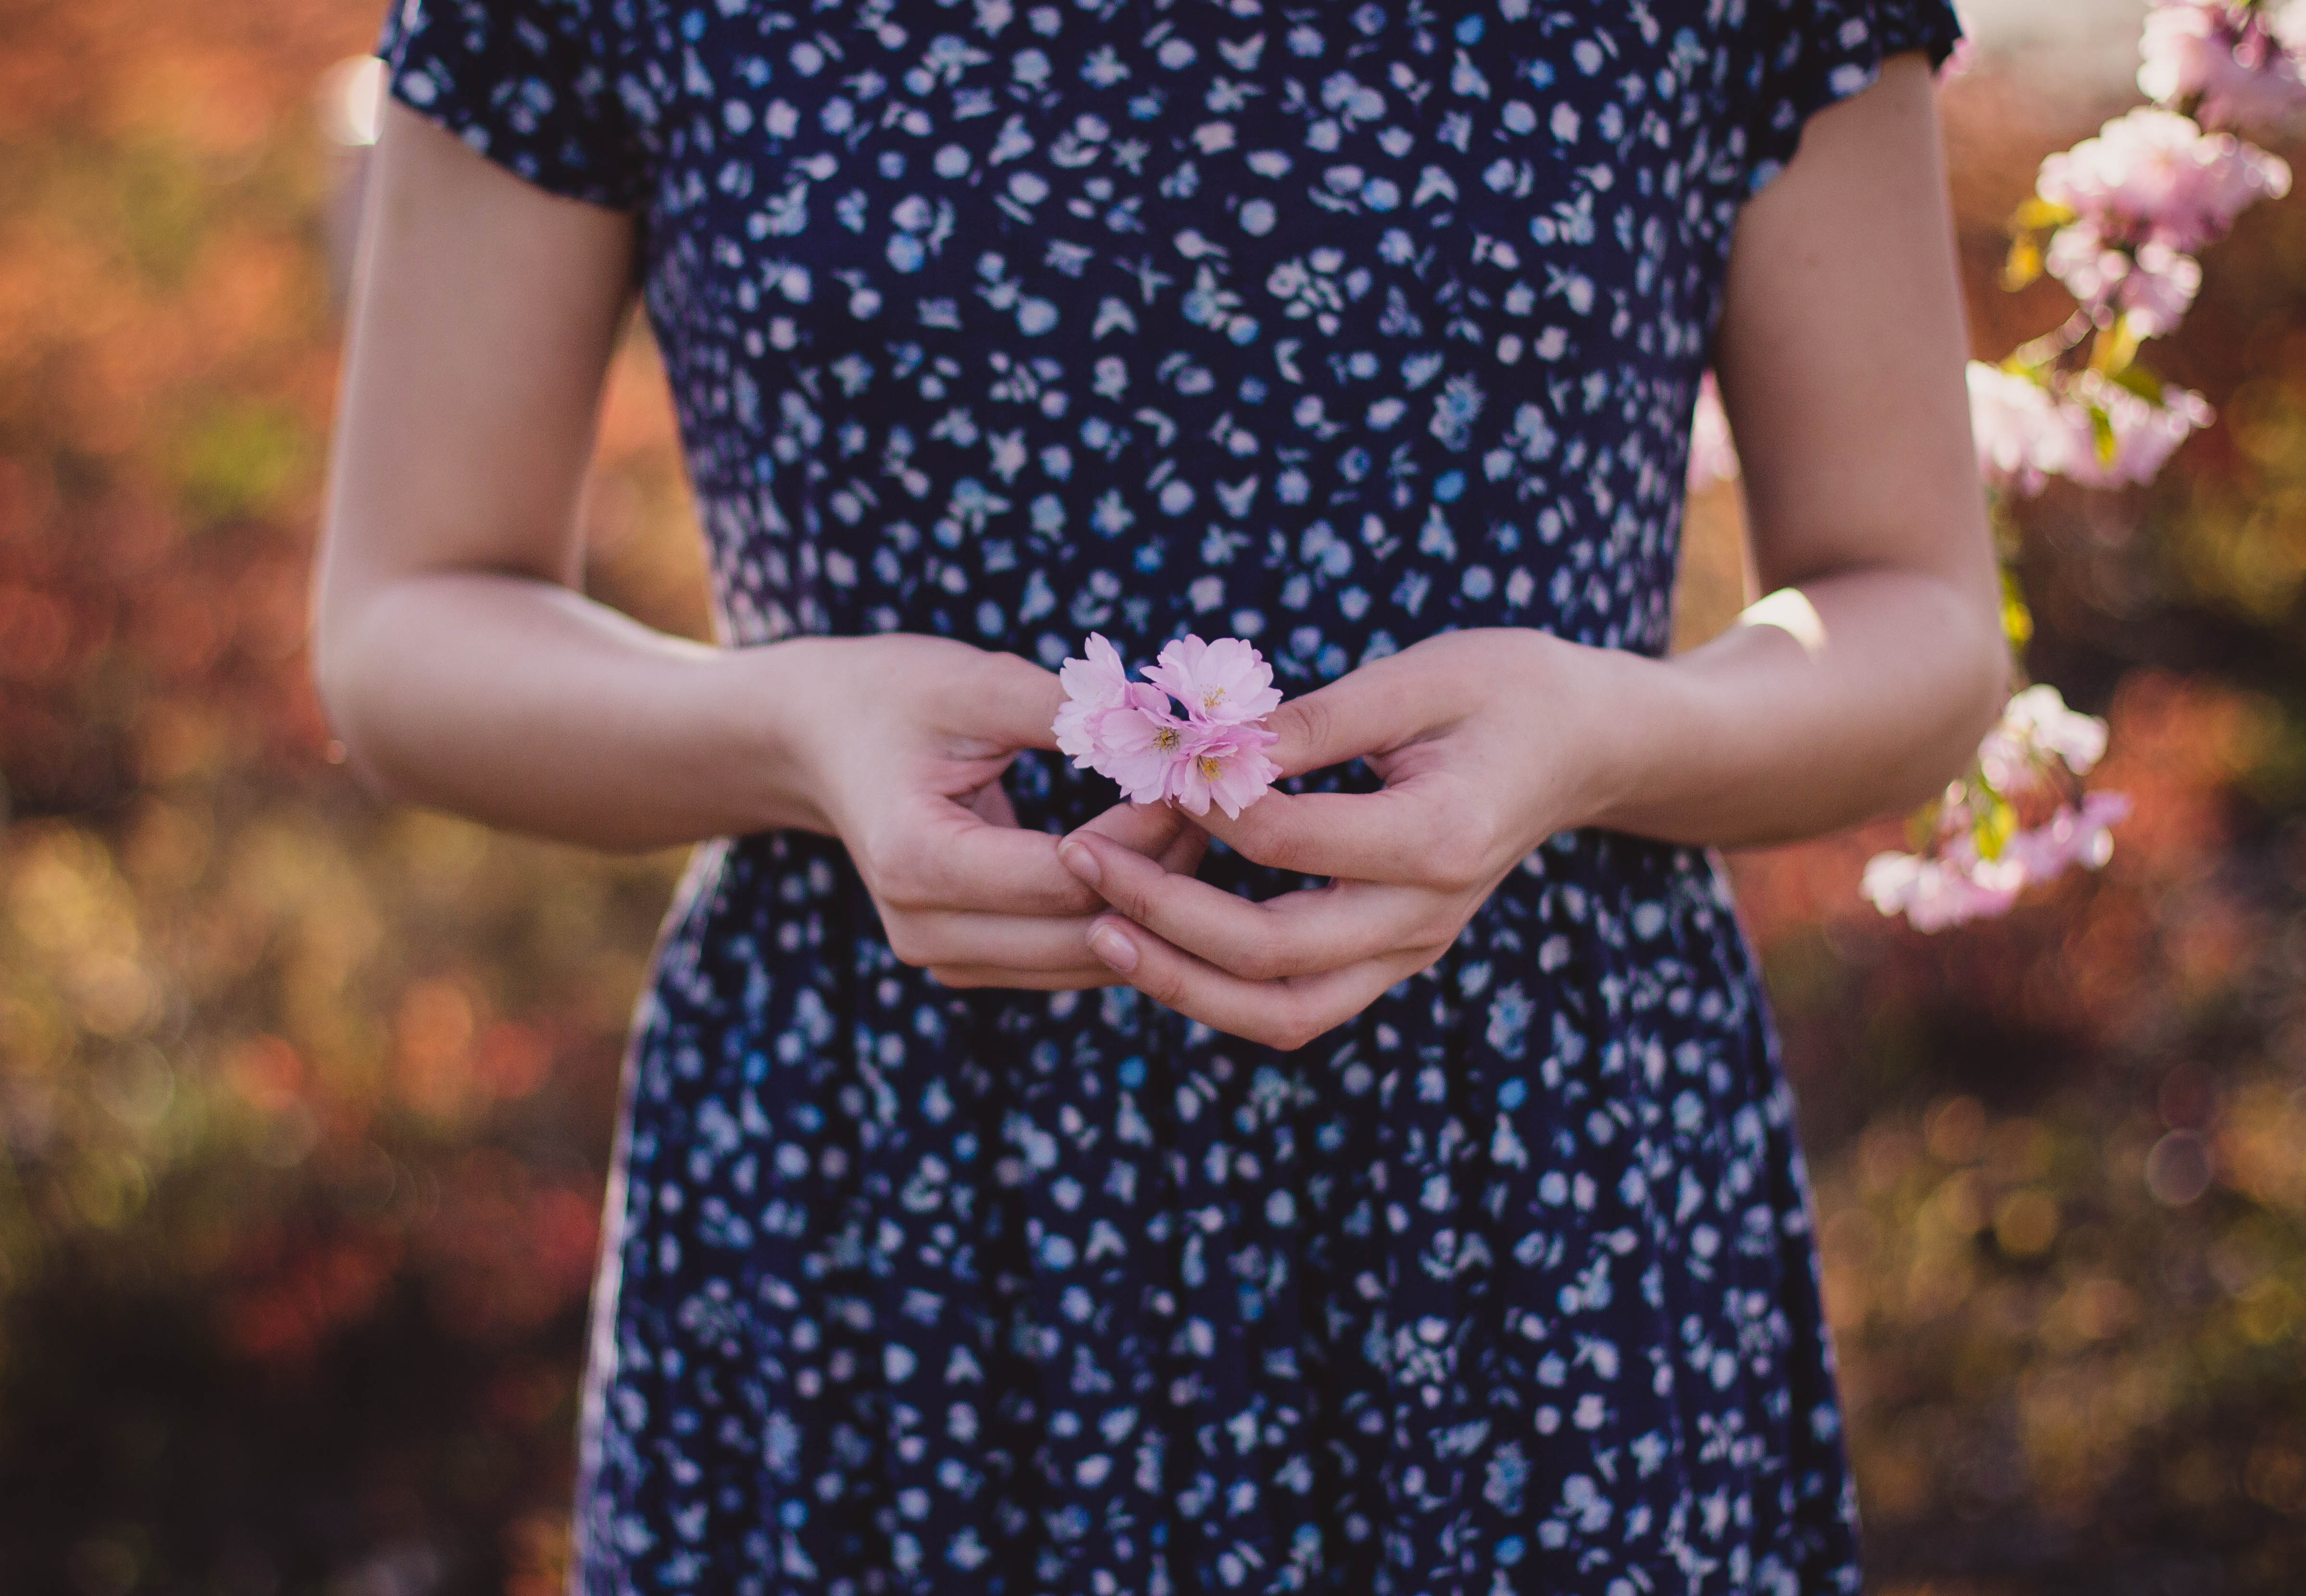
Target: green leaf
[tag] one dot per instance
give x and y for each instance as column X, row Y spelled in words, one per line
column 2112, row 352
column 2102, row 433
column 2017, row 618
column 2141, row 380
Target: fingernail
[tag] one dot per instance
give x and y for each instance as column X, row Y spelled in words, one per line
column 1113, row 947
column 1080, row 861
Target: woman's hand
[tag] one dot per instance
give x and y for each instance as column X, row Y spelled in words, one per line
column 899, row 743
column 1488, row 742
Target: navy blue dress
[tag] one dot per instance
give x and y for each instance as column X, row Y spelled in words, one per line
column 1331, row 327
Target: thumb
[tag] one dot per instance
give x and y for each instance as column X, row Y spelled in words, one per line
column 1012, row 703
column 1153, row 830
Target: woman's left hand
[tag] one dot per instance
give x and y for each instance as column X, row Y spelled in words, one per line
column 1488, row 742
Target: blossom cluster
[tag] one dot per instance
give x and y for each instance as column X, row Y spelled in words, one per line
column 2243, row 64
column 1214, row 753
column 2099, row 433
column 2118, row 220
column 1981, row 853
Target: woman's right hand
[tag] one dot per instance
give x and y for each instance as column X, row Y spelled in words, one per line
column 896, row 744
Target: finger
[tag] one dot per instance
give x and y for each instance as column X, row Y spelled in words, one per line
column 1297, row 933
column 1082, row 978
column 1369, row 711
column 1160, row 832
column 933, row 854
column 1286, row 1015
column 928, row 939
column 1185, row 851
column 1146, row 829
column 1425, row 831
column 1005, row 703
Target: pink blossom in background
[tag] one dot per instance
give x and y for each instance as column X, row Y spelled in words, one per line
column 1713, row 456
column 1952, row 884
column 2025, row 433
column 2070, row 837
column 1226, row 681
column 2038, row 721
column 2153, row 174
column 1935, row 894
column 2035, row 728
column 1124, row 730
column 2244, row 66
column 2154, row 288
column 2014, row 421
column 2145, row 434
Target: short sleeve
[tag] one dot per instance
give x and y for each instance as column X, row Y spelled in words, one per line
column 1814, row 52
column 526, row 82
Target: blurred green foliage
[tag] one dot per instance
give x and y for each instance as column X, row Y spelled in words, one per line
column 306, row 1103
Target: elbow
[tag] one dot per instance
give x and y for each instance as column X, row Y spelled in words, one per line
column 341, row 677
column 1975, row 686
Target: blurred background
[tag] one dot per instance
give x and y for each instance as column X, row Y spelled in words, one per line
column 305, row 1102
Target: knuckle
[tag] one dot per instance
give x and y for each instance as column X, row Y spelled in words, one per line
column 1140, row 900
column 1165, row 987
column 1268, row 843
column 1264, row 959
column 1308, row 719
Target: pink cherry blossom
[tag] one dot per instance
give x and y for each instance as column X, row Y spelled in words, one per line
column 2036, row 728
column 1952, row 885
column 2144, row 434
column 2244, row 70
column 1125, row 730
column 2040, row 718
column 1224, row 683
column 2153, row 174
column 2022, row 437
column 1224, row 762
column 1934, row 894
column 2025, row 433
column 1143, row 750
column 2153, row 286
column 2070, row 837
column 1097, row 683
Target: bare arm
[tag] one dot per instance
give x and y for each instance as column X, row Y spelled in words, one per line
column 462, row 669
column 460, row 666
column 1860, row 686
column 1866, row 686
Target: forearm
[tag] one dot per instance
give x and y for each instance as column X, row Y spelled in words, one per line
column 515, row 702
column 1803, row 717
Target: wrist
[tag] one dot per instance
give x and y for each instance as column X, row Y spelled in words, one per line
column 1618, row 712
column 773, row 695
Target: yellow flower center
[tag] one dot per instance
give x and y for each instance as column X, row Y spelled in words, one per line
column 1212, row 767
column 1166, row 738
column 1212, row 696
